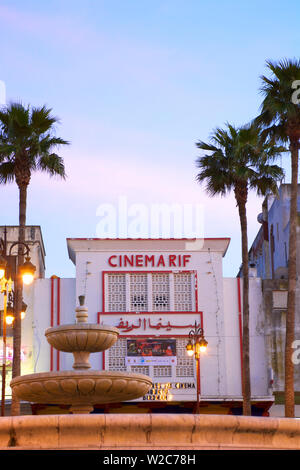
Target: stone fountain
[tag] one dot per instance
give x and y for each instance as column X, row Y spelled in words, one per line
column 83, row 387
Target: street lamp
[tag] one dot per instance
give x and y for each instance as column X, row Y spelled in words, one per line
column 8, row 319
column 196, row 345
column 9, row 314
column 5, row 289
column 25, row 272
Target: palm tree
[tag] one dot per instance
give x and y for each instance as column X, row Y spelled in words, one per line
column 27, row 141
column 240, row 159
column 280, row 115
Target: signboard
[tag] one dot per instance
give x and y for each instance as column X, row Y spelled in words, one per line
column 152, row 324
column 150, row 361
column 165, row 391
column 151, row 347
column 153, row 261
column 153, row 351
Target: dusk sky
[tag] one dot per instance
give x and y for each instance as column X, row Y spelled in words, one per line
column 135, row 84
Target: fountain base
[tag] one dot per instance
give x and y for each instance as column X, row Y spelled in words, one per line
column 80, row 389
column 145, row 431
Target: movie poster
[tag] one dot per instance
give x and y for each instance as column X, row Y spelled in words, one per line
column 151, row 351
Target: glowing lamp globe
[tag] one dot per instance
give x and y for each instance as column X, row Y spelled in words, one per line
column 27, row 271
column 9, row 317
column 27, row 279
column 190, row 349
column 203, row 345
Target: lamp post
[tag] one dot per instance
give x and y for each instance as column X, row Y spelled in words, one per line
column 197, row 344
column 6, row 288
column 8, row 320
column 23, row 274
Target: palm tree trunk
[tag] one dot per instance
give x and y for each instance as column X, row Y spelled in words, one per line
column 292, row 275
column 241, row 196
column 16, row 367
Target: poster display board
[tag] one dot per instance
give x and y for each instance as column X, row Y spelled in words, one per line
column 151, row 351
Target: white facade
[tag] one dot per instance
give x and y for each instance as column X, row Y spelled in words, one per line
column 155, row 290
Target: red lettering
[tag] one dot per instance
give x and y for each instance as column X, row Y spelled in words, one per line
column 110, row 261
column 139, row 260
column 147, row 260
column 161, row 261
column 172, row 259
column 185, row 260
column 150, row 259
column 128, row 260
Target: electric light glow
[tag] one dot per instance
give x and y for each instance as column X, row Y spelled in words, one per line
column 27, row 278
column 9, row 319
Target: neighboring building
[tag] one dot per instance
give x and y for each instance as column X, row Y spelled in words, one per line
column 270, row 249
column 268, row 256
column 34, row 240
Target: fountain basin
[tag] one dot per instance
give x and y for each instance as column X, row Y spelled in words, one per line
column 80, row 389
column 82, row 337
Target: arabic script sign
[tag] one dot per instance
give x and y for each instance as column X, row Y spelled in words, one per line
column 153, row 324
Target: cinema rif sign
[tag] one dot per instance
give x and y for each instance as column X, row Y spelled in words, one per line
column 149, row 261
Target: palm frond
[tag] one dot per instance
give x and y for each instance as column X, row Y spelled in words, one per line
column 41, row 120
column 27, row 139
column 239, row 158
column 278, row 109
column 52, row 164
column 7, row 172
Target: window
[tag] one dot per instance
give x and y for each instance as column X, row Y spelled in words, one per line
column 116, row 293
column 280, row 299
column 183, row 292
column 138, row 292
column 150, row 292
column 161, row 292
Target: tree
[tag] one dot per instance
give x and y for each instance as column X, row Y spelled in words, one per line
column 27, row 140
column 240, row 160
column 280, row 116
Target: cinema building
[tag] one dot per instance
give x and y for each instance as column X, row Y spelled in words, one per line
column 155, row 291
